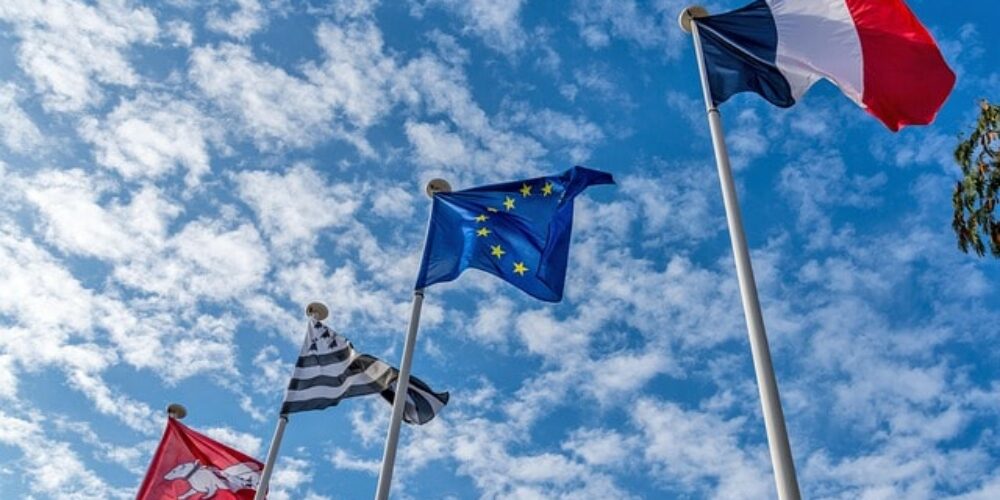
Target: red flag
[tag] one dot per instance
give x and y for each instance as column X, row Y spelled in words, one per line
column 191, row 466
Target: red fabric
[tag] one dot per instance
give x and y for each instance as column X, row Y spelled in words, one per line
column 906, row 78
column 179, row 446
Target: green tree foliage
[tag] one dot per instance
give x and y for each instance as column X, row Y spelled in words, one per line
column 975, row 196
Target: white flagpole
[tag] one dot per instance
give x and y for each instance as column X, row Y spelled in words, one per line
column 774, row 419
column 403, row 382
column 399, row 402
column 316, row 312
column 272, row 455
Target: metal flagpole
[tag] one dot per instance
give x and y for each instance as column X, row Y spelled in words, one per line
column 403, row 382
column 316, row 312
column 272, row 455
column 774, row 419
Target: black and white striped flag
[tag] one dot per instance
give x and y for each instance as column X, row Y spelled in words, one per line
column 329, row 370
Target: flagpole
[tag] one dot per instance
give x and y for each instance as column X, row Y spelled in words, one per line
column 403, row 382
column 272, row 455
column 316, row 312
column 774, row 419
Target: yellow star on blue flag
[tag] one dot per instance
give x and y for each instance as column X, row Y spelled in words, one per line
column 507, row 230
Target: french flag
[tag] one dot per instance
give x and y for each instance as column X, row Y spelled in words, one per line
column 876, row 51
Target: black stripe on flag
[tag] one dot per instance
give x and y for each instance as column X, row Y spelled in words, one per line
column 422, row 403
column 329, row 358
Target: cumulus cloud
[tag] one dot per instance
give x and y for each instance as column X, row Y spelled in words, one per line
column 52, row 467
column 17, row 130
column 274, row 107
column 496, row 22
column 70, row 49
column 296, row 207
column 601, row 21
column 247, row 18
column 151, row 136
column 700, row 452
column 338, row 97
column 818, row 182
column 246, row 443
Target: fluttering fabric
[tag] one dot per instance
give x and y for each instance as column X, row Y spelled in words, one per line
column 329, row 370
column 518, row 231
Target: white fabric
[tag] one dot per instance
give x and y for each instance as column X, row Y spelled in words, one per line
column 818, row 39
column 372, row 373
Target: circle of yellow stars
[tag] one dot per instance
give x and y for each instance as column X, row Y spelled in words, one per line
column 509, row 203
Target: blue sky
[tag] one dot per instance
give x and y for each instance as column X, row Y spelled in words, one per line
column 180, row 179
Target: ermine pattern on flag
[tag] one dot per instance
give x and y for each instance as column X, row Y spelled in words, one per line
column 329, row 370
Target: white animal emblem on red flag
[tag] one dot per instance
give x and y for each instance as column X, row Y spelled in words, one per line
column 191, row 466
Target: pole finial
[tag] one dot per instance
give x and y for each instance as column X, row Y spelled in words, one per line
column 692, row 12
column 176, row 410
column 436, row 186
column 317, row 310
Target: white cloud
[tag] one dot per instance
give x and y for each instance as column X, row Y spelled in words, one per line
column 497, row 22
column 355, row 74
column 679, row 205
column 577, row 136
column 294, row 208
column 343, row 460
column 246, row 443
column 17, row 131
column 8, row 377
column 473, row 140
column 52, row 468
column 204, row 260
column 248, row 18
column 339, row 97
column 150, row 136
column 70, row 48
column 601, row 20
column 700, row 452
column 272, row 372
column 746, row 140
column 437, row 145
column 392, row 202
column 602, row 447
column 76, row 223
column 691, row 109
column 493, row 323
column 275, row 108
column 817, row 182
column 30, row 284
column 356, row 305
column 181, row 32
column 212, row 260
column 290, row 475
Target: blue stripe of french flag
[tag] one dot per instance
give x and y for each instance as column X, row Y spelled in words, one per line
column 875, row 51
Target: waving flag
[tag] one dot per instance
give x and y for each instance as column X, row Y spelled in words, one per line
column 330, row 370
column 876, row 51
column 191, row 465
column 518, row 231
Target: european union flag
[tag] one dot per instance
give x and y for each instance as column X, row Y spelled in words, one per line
column 518, row 231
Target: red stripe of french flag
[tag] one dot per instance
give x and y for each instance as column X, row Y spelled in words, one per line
column 906, row 79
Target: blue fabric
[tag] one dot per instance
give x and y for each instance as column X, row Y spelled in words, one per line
column 518, row 231
column 727, row 41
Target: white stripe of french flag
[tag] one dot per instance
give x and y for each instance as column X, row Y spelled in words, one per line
column 876, row 51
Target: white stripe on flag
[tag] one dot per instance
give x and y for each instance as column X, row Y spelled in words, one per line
column 368, row 376
column 818, row 39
